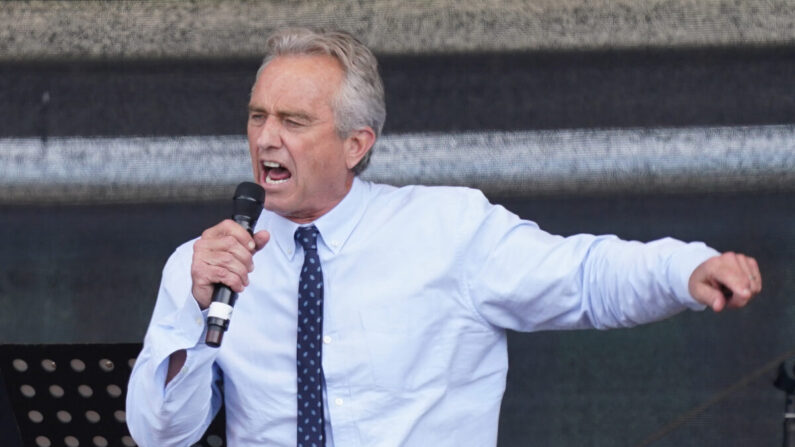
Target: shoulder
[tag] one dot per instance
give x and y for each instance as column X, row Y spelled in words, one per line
column 449, row 209
column 432, row 199
column 179, row 259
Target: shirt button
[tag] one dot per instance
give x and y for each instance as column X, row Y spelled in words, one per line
column 327, row 339
column 335, row 243
column 338, row 401
column 199, row 321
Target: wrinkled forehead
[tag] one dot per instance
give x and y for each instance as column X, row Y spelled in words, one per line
column 307, row 80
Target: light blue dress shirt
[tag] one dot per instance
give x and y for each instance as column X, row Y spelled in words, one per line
column 420, row 285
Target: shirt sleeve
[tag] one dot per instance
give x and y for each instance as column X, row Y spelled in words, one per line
column 522, row 278
column 179, row 413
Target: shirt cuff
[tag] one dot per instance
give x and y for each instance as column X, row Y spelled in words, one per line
column 682, row 265
column 184, row 329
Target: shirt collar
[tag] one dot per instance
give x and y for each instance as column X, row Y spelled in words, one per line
column 335, row 226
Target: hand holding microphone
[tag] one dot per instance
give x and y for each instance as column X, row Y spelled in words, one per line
column 222, row 259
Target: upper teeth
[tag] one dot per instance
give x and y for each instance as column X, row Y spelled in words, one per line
column 271, row 164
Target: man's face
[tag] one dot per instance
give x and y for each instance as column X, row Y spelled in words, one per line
column 296, row 153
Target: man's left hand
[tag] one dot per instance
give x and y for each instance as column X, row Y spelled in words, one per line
column 732, row 274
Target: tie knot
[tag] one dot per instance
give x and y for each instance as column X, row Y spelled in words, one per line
column 307, row 237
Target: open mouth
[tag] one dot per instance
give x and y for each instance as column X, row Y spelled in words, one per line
column 275, row 173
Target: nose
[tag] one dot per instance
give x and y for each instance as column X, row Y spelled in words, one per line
column 269, row 136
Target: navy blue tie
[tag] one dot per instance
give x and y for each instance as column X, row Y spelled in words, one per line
column 311, row 426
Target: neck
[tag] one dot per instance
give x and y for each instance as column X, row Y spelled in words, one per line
column 313, row 215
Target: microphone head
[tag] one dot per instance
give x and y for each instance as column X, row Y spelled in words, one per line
column 248, row 200
column 250, row 191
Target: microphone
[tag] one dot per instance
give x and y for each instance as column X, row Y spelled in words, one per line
column 248, row 201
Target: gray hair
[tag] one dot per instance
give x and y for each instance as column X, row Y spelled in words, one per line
column 360, row 100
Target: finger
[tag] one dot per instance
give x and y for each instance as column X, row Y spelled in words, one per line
column 757, row 271
column 753, row 273
column 230, row 228
column 747, row 292
column 210, row 249
column 208, row 276
column 226, row 253
column 220, row 275
column 233, row 246
column 229, row 262
column 730, row 273
column 205, row 276
column 711, row 296
column 742, row 262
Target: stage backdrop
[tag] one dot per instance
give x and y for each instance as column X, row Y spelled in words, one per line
column 121, row 136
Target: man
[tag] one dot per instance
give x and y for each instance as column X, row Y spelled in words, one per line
column 411, row 288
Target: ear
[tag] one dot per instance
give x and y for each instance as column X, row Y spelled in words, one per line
column 357, row 144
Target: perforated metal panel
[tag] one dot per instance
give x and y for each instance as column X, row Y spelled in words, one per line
column 74, row 395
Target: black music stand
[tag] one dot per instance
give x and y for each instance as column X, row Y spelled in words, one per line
column 785, row 381
column 71, row 395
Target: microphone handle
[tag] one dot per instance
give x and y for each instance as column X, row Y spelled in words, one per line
column 223, row 300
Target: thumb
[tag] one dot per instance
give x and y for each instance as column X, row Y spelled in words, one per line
column 260, row 239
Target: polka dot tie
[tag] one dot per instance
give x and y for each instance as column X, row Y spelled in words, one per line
column 308, row 353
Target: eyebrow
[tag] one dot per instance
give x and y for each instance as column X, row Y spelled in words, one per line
column 283, row 113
